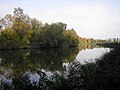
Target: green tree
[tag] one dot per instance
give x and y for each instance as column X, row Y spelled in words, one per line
column 9, row 39
column 32, row 33
column 55, row 34
column 71, row 37
column 22, row 26
column 6, row 22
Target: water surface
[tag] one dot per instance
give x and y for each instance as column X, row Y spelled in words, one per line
column 89, row 55
column 27, row 64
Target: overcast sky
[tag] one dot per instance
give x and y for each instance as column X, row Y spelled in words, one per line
column 98, row 19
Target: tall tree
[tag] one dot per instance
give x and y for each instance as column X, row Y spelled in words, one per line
column 22, row 26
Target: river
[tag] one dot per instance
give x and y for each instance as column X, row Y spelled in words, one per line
column 17, row 63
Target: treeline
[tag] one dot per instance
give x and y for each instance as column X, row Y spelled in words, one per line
column 92, row 41
column 114, row 40
column 20, row 31
column 87, row 42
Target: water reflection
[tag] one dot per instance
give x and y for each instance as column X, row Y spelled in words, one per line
column 43, row 68
column 90, row 55
column 89, row 46
column 19, row 62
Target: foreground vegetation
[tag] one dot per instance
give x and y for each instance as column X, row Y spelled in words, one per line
column 104, row 74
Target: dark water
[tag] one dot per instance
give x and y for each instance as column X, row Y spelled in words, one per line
column 15, row 63
column 28, row 63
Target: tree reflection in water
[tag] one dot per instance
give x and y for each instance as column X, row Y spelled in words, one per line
column 16, row 67
column 104, row 74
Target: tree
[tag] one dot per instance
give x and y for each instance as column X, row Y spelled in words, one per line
column 22, row 26
column 71, row 37
column 20, row 16
column 36, row 25
column 31, row 32
column 7, row 21
column 47, row 35
column 9, row 39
